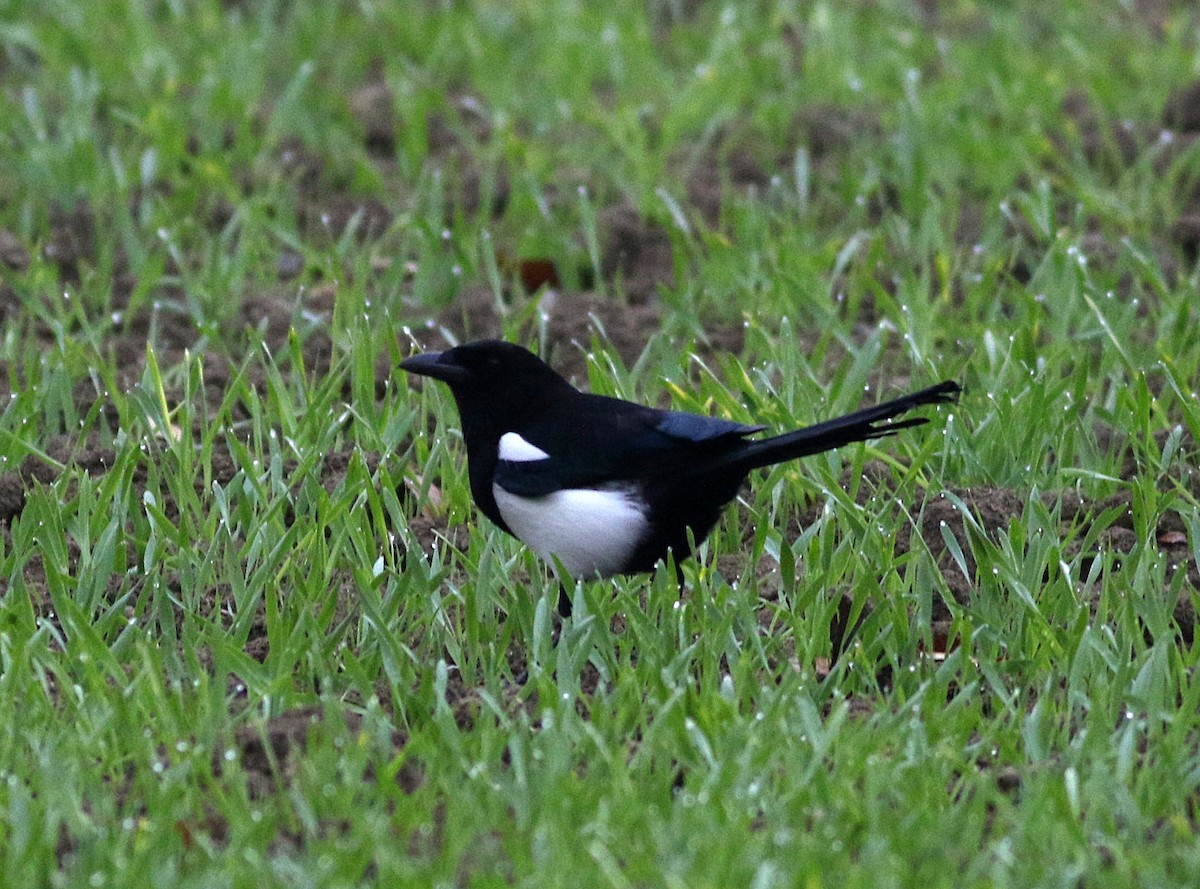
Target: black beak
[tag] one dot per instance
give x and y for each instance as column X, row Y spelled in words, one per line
column 439, row 365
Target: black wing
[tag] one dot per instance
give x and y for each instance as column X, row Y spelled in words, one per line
column 608, row 441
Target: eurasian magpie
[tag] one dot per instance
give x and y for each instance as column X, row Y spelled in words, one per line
column 607, row 486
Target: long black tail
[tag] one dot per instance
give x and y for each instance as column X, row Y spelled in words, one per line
column 858, row 426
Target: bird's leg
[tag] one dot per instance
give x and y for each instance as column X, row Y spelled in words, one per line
column 841, row 631
column 564, row 601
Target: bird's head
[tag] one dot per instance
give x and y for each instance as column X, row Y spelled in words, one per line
column 488, row 375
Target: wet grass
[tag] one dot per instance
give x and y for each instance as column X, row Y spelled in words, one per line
column 251, row 629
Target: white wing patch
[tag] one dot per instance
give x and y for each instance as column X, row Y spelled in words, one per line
column 592, row 532
column 517, row 450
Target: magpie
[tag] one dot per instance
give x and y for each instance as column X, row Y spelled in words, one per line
column 605, row 486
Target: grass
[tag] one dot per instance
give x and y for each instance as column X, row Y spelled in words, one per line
column 235, row 514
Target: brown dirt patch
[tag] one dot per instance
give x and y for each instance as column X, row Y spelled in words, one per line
column 269, row 752
column 637, row 255
column 993, row 510
column 13, row 254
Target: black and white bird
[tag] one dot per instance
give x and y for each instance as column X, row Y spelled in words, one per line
column 606, row 486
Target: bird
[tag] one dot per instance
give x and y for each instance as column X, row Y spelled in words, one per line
column 602, row 486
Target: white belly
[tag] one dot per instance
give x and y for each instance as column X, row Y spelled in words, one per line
column 591, row 532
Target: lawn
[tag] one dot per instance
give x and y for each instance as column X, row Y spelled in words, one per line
column 253, row 632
